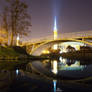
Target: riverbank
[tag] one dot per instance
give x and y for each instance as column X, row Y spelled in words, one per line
column 16, row 53
column 14, row 57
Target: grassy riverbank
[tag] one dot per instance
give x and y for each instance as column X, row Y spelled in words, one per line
column 12, row 57
column 16, row 53
column 12, row 52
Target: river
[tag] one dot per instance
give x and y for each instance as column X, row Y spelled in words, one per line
column 62, row 75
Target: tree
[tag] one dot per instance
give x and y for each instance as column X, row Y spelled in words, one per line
column 5, row 25
column 18, row 18
column 70, row 48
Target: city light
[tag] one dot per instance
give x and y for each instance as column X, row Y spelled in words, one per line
column 55, row 47
column 45, row 52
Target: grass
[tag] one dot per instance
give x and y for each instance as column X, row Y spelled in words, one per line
column 12, row 52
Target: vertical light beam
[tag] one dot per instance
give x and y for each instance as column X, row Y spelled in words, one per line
column 55, row 29
column 55, row 24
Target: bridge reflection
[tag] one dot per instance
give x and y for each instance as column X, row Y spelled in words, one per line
column 64, row 65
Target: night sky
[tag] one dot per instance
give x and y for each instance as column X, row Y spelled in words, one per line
column 72, row 16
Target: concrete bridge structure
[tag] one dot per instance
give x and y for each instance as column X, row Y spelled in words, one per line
column 36, row 46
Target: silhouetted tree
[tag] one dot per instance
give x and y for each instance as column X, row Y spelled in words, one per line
column 18, row 18
column 70, row 48
column 5, row 24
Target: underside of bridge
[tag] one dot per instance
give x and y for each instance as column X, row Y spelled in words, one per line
column 37, row 48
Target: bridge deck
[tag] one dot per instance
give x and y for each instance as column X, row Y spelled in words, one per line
column 74, row 35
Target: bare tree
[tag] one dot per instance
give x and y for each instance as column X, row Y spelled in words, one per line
column 19, row 18
column 5, row 25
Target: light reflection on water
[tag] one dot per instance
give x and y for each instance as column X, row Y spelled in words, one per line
column 17, row 71
column 55, row 88
column 54, row 84
column 55, row 67
column 62, row 64
column 68, row 68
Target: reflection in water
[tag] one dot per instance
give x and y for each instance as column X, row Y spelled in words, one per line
column 65, row 64
column 56, row 89
column 62, row 60
column 17, row 71
column 54, row 83
column 55, row 68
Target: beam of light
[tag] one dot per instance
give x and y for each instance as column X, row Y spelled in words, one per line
column 55, row 24
column 55, row 29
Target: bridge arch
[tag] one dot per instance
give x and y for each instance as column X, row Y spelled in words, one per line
column 38, row 49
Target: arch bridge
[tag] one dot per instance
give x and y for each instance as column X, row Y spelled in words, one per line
column 36, row 46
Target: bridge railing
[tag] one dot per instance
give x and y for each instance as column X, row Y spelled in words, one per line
column 63, row 36
column 76, row 34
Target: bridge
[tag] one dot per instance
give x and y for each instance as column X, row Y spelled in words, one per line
column 36, row 46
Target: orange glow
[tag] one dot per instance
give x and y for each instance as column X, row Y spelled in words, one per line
column 45, row 52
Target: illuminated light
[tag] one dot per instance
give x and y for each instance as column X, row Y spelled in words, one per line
column 18, row 37
column 55, row 46
column 77, row 47
column 55, row 30
column 76, row 64
column 45, row 52
column 17, row 42
column 55, row 34
column 60, row 58
column 64, row 50
column 61, row 51
column 64, row 60
column 17, row 71
column 54, row 83
column 55, row 70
